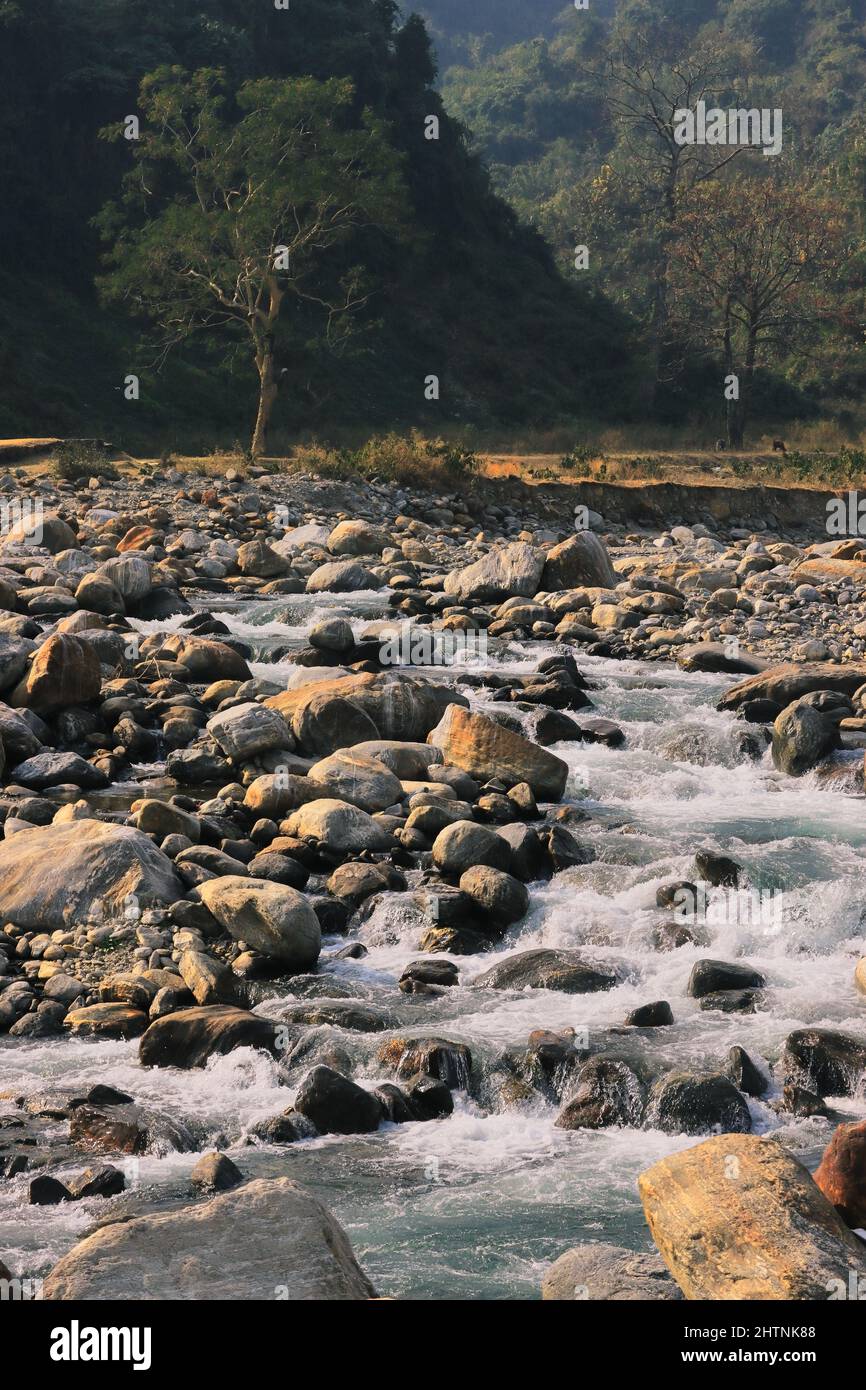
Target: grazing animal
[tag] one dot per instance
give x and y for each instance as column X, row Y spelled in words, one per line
column 721, row 445
column 779, row 446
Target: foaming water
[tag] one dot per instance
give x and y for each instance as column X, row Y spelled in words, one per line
column 475, row 1205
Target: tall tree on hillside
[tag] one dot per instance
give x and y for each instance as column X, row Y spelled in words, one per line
column 239, row 204
column 654, row 69
column 756, row 262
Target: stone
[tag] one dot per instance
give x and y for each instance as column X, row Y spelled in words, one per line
column 608, row 1273
column 45, row 1191
column 189, row 1037
column 245, row 731
column 448, row 1061
column 546, row 969
column 357, row 538
column 106, row 1021
column 504, row 572
column 274, row 919
column 354, row 709
column 209, row 981
column 127, row 1129
column 684, row 1103
column 341, row 577
column 106, row 1181
column 215, row 1173
column 490, row 752
column 582, row 559
column 463, row 844
column 788, row 682
column 269, row 1239
column 65, row 671
column 607, row 1092
column 205, row 659
column 841, row 1174
column 708, row 976
column 824, row 1061
column 335, row 825
column 53, row 769
column 501, row 897
column 802, row 737
column 429, row 1098
column 67, row 874
column 335, row 1105
column 736, row 1218
column 350, row 776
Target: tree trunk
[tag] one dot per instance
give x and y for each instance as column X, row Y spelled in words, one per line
column 267, row 396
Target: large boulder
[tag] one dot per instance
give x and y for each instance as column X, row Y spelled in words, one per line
column 841, row 1174
column 341, row 577
column 357, row 538
column 788, row 682
column 273, row 919
column 335, row 825
column 82, row 871
column 131, row 575
column 508, row 571
column 608, row 1273
column 275, row 793
column 802, row 736
column 353, row 709
column 683, row 1103
column 824, row 1061
column 205, row 659
column 362, row 781
column 737, row 1218
column 546, row 969
column 463, row 844
column 335, row 1105
column 65, row 671
column 490, row 752
column 15, row 652
column 269, row 1239
column 189, row 1037
column 582, row 559
column 246, row 730
column 52, row 769
column 54, row 534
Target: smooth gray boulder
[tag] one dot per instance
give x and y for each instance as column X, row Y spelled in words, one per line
column 276, row 920
column 246, row 730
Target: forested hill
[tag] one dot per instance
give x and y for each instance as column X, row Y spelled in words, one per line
column 468, row 293
column 567, row 119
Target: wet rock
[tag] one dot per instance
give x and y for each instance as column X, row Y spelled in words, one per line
column 429, row 1098
column 608, row 1273
column 788, row 682
column 127, row 1129
column 737, row 1218
column 709, row 976
column 608, row 1092
column 273, row 919
column 215, row 1172
column 656, row 1015
column 53, row 769
column 189, row 1037
column 684, row 1103
column 796, row 1100
column 335, row 1105
column 564, row 851
column 45, row 1191
column 464, row 843
column 431, row 972
column 824, row 1061
column 502, row 898
column 802, row 736
column 744, row 1073
column 490, row 752
column 98, row 1182
column 448, row 1061
column 268, row 1239
column 546, row 969
column 341, row 1013
column 395, row 1105
column 717, row 869
column 733, row 1001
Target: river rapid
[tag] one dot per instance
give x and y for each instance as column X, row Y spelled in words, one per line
column 475, row 1206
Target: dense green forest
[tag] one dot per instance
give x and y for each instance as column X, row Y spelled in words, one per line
column 517, row 222
column 466, row 293
column 574, row 123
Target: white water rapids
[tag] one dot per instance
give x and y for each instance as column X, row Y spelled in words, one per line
column 475, row 1205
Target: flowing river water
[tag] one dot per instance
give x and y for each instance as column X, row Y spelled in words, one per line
column 475, row 1206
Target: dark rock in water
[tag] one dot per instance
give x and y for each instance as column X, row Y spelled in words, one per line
column 759, row 711
column 356, row 950
column 215, row 1173
column 161, row 603
column 788, row 682
column 333, row 915
column 824, row 1061
column 527, row 851
column 431, row 972
column 744, row 1073
column 546, row 969
column 243, row 1243
column 683, row 1103
column 448, row 1061
column 802, row 736
column 339, row 1013
column 733, row 1001
column 549, row 1052
column 128, row 1129
column 336, row 1105
column 394, row 1104
column 714, row 656
column 670, row 936
column 841, row 1174
column 194, row 767
column 656, row 1015
column 564, row 851
column 717, row 869
column 709, row 976
column 429, row 1098
column 285, row 1128
column 190, row 1036
column 552, row 726
column 608, row 1092
column 107, row 1095
column 609, row 1273
column 106, row 1020
column 46, row 1191
column 98, row 1182
column 798, row 1101
column 455, row 940
column 601, row 731
column 673, row 894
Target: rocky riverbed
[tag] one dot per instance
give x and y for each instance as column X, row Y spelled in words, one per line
column 420, row 863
